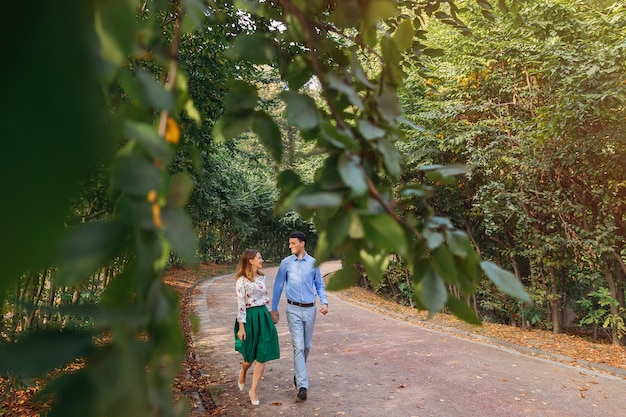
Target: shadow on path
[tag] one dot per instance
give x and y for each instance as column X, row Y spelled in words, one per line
column 364, row 363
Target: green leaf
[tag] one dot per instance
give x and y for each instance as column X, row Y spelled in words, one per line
column 195, row 14
column 179, row 232
column 115, row 26
column 407, row 122
column 505, row 280
column 254, row 7
column 335, row 232
column 42, row 351
column 444, row 265
column 147, row 136
column 502, row 6
column 341, row 138
column 179, row 190
column 484, row 4
column 335, row 82
column 469, row 268
column 327, row 177
column 438, row 179
column 87, row 247
column 459, row 243
column 241, row 96
column 357, row 71
column 114, row 379
column 378, row 10
column 433, row 239
column 229, row 126
column 299, row 72
column 352, row 174
column 370, row 131
column 403, row 35
column 288, row 181
column 318, row 199
column 448, row 170
column 489, row 15
column 356, row 230
column 438, row 222
column 375, row 265
column 131, row 86
column 135, row 175
column 153, row 94
column 391, row 54
column 415, row 190
column 391, row 157
column 432, row 291
column 347, row 13
column 301, row 110
column 384, row 232
column 369, row 34
column 462, row 310
column 269, row 134
column 256, row 48
column 342, row 279
column 418, row 269
column 433, row 52
column 388, row 104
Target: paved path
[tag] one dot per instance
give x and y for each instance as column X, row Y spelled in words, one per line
column 366, row 364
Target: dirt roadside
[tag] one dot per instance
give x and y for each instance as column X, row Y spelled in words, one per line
column 367, row 364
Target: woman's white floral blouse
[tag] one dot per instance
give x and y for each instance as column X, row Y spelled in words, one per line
column 251, row 294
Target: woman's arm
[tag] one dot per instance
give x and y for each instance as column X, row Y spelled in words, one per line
column 240, row 289
column 241, row 333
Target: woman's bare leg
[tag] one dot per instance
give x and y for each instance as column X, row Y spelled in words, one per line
column 259, row 367
column 244, row 370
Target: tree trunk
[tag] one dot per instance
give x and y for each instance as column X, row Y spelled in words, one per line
column 620, row 281
column 409, row 283
column 49, row 304
column 75, row 298
column 394, row 289
column 555, row 303
column 614, row 309
column 27, row 299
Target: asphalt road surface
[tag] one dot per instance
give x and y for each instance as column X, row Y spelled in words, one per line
column 363, row 363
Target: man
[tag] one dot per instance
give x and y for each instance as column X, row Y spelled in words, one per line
column 302, row 281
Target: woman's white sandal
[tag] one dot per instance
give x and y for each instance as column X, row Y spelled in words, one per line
column 239, row 384
column 254, row 402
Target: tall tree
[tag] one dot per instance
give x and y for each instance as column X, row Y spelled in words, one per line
column 538, row 115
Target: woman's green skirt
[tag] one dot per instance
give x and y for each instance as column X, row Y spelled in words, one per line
column 261, row 342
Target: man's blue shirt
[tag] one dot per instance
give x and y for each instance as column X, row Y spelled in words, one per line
column 303, row 280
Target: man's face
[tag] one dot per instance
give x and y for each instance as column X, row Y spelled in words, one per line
column 296, row 246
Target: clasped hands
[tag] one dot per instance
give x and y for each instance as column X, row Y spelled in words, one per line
column 275, row 316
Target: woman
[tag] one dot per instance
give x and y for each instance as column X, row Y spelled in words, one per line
column 255, row 333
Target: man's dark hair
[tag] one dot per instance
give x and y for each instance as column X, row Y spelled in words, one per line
column 298, row 235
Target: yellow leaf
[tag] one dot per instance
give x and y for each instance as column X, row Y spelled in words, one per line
column 156, row 216
column 172, row 131
column 152, row 196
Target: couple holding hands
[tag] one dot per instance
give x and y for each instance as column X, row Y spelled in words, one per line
column 255, row 331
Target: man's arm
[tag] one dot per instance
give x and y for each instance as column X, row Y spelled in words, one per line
column 320, row 287
column 279, row 283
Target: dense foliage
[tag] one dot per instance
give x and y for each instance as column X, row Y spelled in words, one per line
column 162, row 129
column 538, row 111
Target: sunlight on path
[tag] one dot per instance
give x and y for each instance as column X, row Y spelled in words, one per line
column 366, row 364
